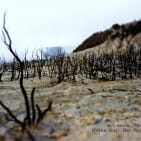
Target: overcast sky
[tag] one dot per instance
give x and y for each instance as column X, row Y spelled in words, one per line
column 39, row 23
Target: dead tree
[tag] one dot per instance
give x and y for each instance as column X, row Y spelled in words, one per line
column 34, row 114
column 59, row 64
column 3, row 67
column 50, row 63
column 26, row 66
column 13, row 69
column 73, row 66
column 39, row 58
column 33, row 62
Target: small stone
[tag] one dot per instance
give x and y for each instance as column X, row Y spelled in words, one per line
column 107, row 119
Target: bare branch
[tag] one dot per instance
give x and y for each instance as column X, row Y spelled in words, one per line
column 38, row 109
column 6, row 31
column 33, row 106
column 4, row 38
column 42, row 114
column 9, row 45
column 10, row 113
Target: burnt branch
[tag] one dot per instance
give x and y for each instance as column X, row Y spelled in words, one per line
column 33, row 106
column 11, row 114
column 9, row 45
column 41, row 114
column 31, row 117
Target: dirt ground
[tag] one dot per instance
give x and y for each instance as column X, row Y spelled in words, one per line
column 84, row 110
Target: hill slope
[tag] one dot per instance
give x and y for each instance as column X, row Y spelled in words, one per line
column 116, row 32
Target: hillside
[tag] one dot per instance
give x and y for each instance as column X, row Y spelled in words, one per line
column 118, row 32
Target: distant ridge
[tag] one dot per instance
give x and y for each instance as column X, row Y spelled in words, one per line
column 116, row 31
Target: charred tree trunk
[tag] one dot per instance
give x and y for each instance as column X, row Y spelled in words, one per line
column 30, row 117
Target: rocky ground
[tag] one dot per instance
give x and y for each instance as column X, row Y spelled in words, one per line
column 85, row 110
